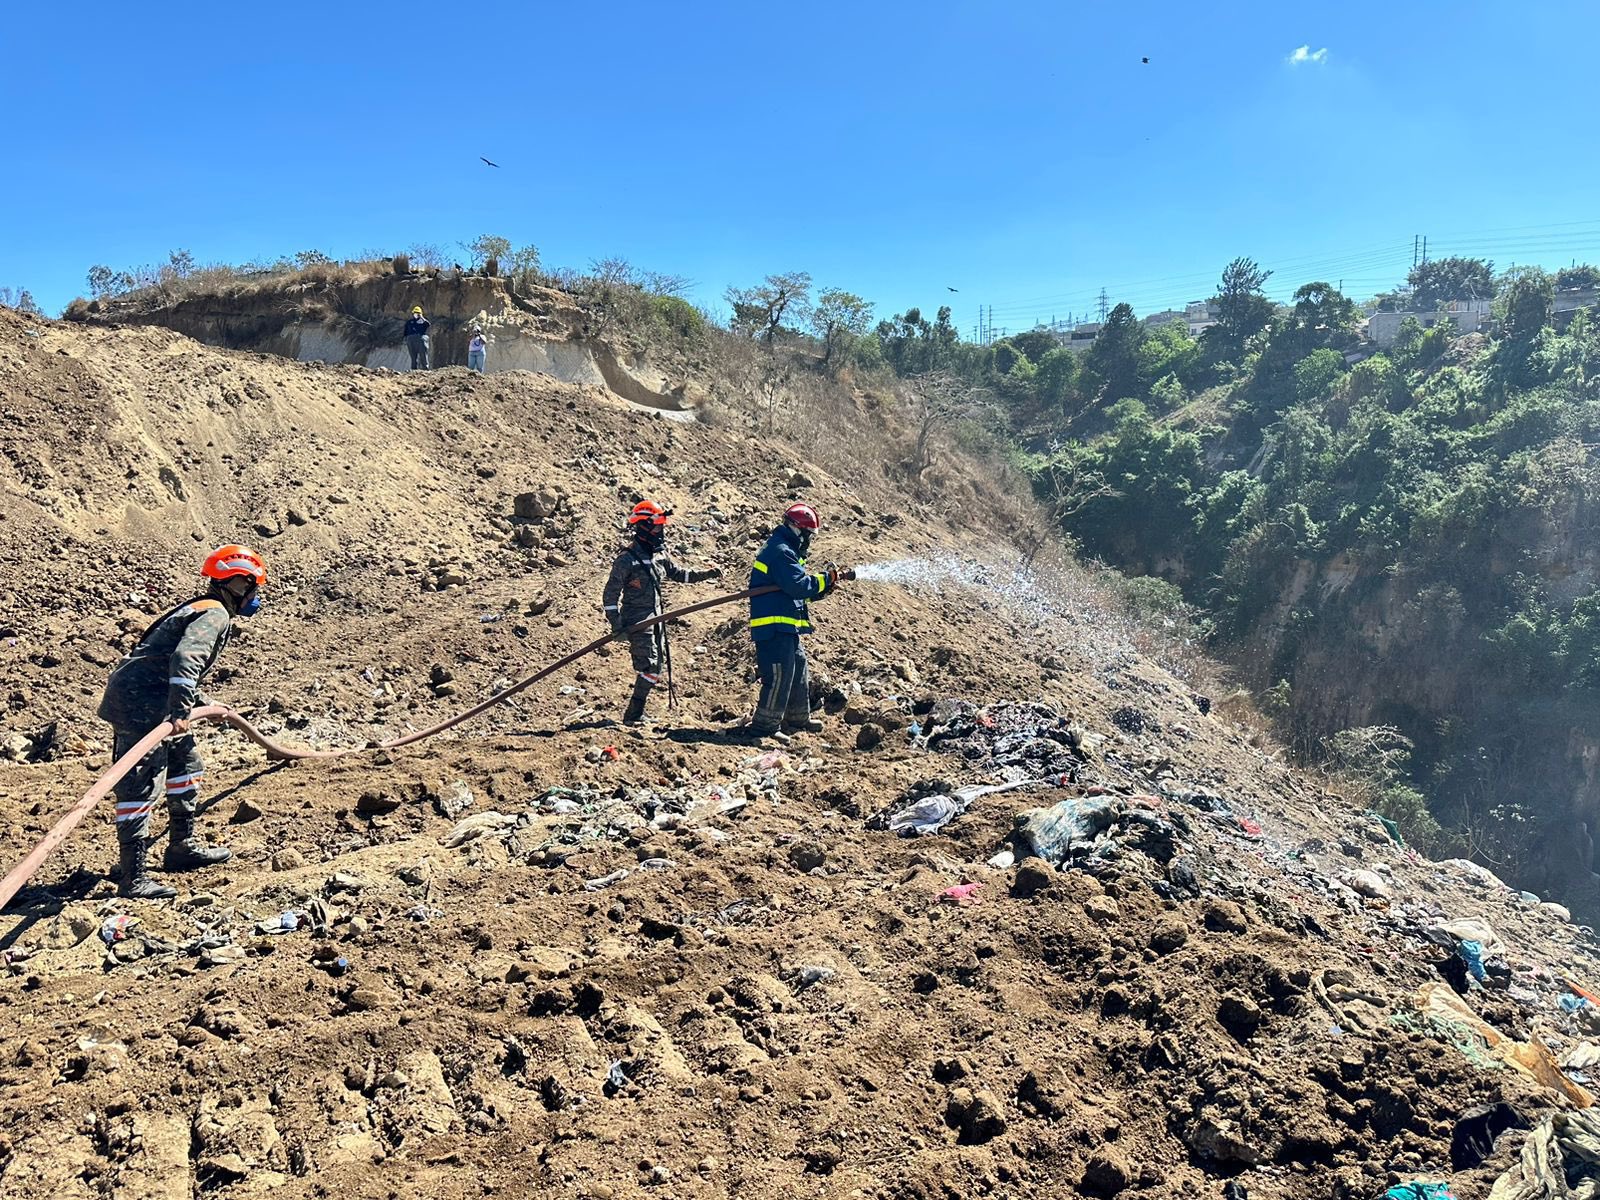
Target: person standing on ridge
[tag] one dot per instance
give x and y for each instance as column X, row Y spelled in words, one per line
column 779, row 619
column 417, row 340
column 477, row 351
column 633, row 594
column 158, row 681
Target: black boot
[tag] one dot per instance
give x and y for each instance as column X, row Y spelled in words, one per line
column 136, row 883
column 802, row 724
column 634, row 713
column 185, row 851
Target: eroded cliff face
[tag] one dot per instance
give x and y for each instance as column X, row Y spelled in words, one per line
column 361, row 323
column 1370, row 646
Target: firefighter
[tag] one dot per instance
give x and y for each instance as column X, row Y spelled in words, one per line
column 633, row 594
column 160, row 681
column 779, row 619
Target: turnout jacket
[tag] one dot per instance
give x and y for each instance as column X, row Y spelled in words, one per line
column 160, row 678
column 784, row 612
column 633, row 592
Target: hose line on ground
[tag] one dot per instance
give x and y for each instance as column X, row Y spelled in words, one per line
column 23, row 871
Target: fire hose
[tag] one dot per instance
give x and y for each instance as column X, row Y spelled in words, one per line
column 221, row 714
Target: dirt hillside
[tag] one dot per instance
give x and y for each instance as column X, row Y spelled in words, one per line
column 544, row 956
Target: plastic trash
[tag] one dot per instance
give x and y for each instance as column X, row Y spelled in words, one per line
column 811, row 975
column 962, row 894
column 564, row 807
column 1006, row 859
column 1471, row 953
column 605, row 881
column 927, row 816
column 1051, row 833
column 616, row 1079
column 284, row 922
column 1249, row 827
column 1420, row 1191
column 116, row 928
column 657, row 864
column 1573, row 1004
column 1560, row 1158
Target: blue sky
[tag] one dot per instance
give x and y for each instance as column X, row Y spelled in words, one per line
column 1020, row 153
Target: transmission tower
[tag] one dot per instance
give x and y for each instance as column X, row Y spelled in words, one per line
column 1105, row 305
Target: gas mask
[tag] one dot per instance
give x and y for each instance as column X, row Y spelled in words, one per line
column 651, row 537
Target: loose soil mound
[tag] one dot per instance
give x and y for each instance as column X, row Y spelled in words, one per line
column 545, row 956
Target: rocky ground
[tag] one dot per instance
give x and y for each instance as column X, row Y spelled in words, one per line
column 542, row 955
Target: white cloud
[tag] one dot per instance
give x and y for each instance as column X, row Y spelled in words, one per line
column 1305, row 54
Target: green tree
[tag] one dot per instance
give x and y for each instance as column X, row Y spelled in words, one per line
column 1316, row 374
column 310, row 258
column 1582, row 275
column 760, row 311
column 1526, row 296
column 1242, row 309
column 1322, row 316
column 838, row 320
column 1035, row 343
column 1058, row 377
column 1444, row 279
column 20, row 299
column 102, row 281
column 1111, row 365
column 486, row 246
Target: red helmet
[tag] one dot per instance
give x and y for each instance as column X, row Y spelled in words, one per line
column 804, row 516
column 227, row 561
column 649, row 512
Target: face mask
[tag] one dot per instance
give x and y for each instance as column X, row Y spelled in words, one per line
column 251, row 606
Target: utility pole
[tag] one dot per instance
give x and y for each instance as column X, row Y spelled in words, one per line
column 1105, row 305
column 1424, row 249
column 1416, row 241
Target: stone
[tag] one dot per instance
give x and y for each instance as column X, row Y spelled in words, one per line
column 1107, row 1174
column 807, row 855
column 799, row 479
column 1559, row 911
column 1224, row 916
column 1366, row 883
column 976, row 1116
column 288, row 860
column 1169, row 936
column 1102, row 909
column 869, row 738
column 1239, row 1014
column 535, row 505
column 246, row 812
column 377, row 803
column 1034, row 875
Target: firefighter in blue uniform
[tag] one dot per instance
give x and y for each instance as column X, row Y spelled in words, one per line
column 779, row 619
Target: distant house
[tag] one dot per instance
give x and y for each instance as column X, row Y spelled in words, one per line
column 1468, row 316
column 1569, row 300
column 1080, row 337
column 1201, row 315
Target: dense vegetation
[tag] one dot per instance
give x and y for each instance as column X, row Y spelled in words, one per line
column 1396, row 546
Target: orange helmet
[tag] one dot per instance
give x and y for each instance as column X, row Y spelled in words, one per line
column 804, row 516
column 227, row 561
column 649, row 512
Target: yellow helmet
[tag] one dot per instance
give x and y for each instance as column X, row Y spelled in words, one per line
column 416, row 308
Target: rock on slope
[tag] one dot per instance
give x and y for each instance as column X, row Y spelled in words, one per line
column 512, row 961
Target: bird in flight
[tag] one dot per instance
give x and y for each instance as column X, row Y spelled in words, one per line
column 951, row 289
column 486, row 162
column 1145, row 61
